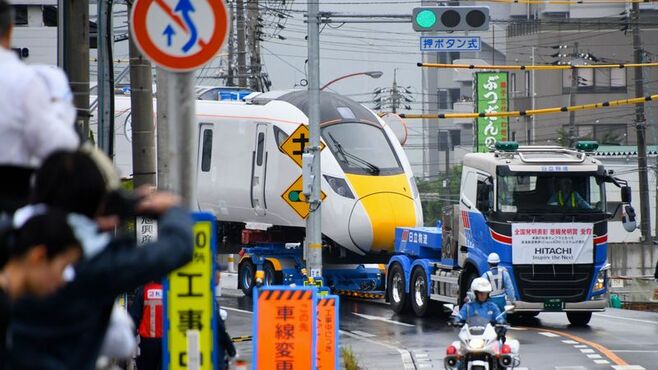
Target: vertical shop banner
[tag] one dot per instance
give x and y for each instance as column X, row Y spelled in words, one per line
column 284, row 328
column 189, row 304
column 491, row 90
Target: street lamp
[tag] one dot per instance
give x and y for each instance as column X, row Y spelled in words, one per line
column 372, row 74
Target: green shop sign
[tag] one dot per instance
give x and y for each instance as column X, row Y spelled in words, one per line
column 492, row 96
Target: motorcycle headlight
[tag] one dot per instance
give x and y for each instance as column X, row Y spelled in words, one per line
column 601, row 279
column 339, row 186
column 476, row 343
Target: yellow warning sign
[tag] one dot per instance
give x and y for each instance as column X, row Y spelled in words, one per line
column 296, row 199
column 295, row 144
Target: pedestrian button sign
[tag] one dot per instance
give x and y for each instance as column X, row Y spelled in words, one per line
column 179, row 35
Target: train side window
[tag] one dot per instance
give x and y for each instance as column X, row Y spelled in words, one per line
column 206, row 152
column 259, row 150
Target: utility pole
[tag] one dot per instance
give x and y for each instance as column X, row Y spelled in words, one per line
column 641, row 126
column 242, row 52
column 572, row 98
column 141, row 102
column 395, row 97
column 231, row 45
column 313, row 242
column 254, row 59
column 105, row 76
column 75, row 57
column 164, row 147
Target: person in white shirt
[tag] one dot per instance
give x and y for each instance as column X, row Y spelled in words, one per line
column 30, row 128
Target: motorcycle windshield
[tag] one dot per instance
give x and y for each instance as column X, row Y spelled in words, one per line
column 477, row 324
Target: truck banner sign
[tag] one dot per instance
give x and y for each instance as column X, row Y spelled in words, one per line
column 552, row 243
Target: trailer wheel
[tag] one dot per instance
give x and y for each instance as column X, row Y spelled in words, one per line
column 579, row 318
column 270, row 277
column 246, row 276
column 418, row 295
column 396, row 294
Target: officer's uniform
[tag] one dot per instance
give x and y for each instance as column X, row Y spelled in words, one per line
column 488, row 310
column 501, row 283
column 148, row 304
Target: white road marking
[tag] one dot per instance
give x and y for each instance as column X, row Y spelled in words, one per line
column 580, row 346
column 594, row 356
column 377, row 318
column 626, row 318
column 570, row 368
column 587, row 350
column 363, row 334
column 601, row 362
column 406, row 356
column 547, row 334
column 628, row 367
column 236, row 310
column 420, row 355
column 569, row 342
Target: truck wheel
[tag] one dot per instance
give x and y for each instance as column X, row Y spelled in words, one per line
column 579, row 318
column 418, row 295
column 466, row 286
column 396, row 294
column 246, row 276
column 270, row 277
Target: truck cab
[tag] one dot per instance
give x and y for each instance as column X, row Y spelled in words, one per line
column 543, row 210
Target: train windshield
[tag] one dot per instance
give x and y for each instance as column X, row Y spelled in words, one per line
column 361, row 149
column 550, row 193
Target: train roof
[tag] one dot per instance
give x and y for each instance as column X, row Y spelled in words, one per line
column 534, row 159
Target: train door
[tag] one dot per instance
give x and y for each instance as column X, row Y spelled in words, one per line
column 259, row 171
column 205, row 172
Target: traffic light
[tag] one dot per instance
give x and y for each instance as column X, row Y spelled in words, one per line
column 450, row 18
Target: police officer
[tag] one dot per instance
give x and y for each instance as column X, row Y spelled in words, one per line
column 29, row 129
column 481, row 306
column 502, row 289
column 146, row 311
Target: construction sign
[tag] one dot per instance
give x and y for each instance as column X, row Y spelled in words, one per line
column 284, row 329
column 295, row 144
column 327, row 332
column 189, row 304
column 296, row 199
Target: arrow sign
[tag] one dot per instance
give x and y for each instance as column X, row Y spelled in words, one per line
column 185, row 7
column 377, row 318
column 169, row 32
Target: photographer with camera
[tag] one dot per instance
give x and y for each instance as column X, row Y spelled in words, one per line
column 66, row 330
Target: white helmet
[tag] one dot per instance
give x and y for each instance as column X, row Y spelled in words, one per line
column 481, row 285
column 493, row 259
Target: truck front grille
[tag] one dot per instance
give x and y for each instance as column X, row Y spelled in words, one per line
column 570, row 283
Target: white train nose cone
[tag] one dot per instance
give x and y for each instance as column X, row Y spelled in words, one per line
column 374, row 218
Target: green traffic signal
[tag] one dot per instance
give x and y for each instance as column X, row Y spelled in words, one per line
column 295, row 196
column 425, row 18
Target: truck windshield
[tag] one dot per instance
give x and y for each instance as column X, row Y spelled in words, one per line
column 361, row 148
column 552, row 193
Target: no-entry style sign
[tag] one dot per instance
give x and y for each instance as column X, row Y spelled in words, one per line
column 179, row 35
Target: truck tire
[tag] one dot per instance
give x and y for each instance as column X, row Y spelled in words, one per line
column 396, row 294
column 465, row 286
column 579, row 318
column 270, row 277
column 246, row 277
column 418, row 292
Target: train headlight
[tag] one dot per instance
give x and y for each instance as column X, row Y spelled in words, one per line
column 339, row 186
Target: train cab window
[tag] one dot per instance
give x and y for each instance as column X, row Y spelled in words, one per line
column 280, row 136
column 206, row 151
column 259, row 150
column 361, row 148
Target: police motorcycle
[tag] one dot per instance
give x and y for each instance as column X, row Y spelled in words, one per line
column 481, row 345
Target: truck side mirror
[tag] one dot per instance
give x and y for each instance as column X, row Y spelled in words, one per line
column 626, row 193
column 628, row 218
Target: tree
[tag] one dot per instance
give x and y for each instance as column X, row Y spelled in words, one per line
column 436, row 194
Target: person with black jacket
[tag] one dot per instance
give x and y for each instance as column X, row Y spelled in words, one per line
column 65, row 331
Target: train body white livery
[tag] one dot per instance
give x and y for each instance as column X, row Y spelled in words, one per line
column 243, row 176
